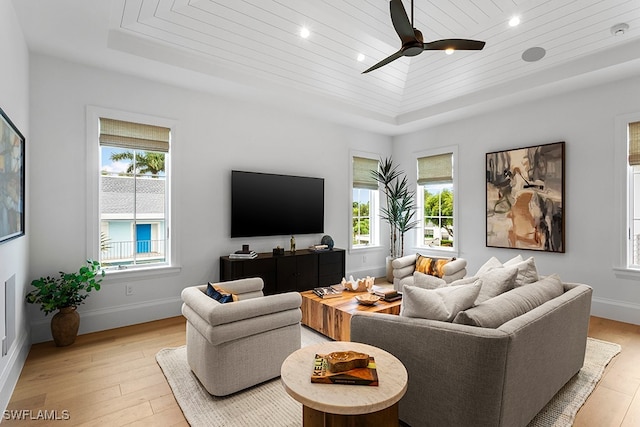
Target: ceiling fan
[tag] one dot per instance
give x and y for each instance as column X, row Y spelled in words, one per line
column 412, row 41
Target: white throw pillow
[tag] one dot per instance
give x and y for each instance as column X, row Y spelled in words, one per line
column 464, row 281
column 438, row 304
column 495, row 282
column 527, row 272
column 513, row 261
column 492, row 263
column 427, row 281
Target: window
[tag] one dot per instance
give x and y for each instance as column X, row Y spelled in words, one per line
column 435, row 200
column 133, row 194
column 633, row 179
column 365, row 196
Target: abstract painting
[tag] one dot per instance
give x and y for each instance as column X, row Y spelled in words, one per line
column 11, row 180
column 525, row 198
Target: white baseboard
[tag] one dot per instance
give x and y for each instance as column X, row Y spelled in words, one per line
column 113, row 317
column 17, row 356
column 616, row 310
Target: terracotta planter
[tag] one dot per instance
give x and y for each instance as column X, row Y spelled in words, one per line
column 64, row 326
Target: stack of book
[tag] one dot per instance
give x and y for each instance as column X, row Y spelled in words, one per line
column 387, row 294
column 327, row 292
column 243, row 255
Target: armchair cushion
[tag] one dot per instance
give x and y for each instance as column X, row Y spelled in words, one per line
column 219, row 294
column 431, row 266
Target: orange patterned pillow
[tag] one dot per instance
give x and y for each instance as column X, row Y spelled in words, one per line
column 432, row 266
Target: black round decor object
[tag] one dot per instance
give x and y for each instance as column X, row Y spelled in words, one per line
column 327, row 240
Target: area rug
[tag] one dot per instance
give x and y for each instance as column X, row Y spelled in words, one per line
column 269, row 405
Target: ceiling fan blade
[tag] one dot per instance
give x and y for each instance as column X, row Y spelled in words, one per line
column 385, row 61
column 456, row 44
column 401, row 22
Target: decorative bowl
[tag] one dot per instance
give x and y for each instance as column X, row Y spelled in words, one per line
column 367, row 299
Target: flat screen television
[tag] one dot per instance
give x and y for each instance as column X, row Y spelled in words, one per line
column 265, row 204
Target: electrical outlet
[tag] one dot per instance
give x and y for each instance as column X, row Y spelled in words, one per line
column 129, row 289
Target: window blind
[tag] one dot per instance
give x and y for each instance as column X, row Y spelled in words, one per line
column 362, row 173
column 634, row 143
column 435, row 169
column 118, row 133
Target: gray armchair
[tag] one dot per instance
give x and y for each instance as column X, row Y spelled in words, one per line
column 239, row 344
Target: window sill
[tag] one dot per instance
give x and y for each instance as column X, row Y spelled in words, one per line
column 627, row 273
column 362, row 249
column 436, row 251
column 140, row 273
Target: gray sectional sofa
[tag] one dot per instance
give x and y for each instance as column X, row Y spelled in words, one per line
column 463, row 375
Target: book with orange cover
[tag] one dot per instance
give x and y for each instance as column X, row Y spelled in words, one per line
column 357, row 376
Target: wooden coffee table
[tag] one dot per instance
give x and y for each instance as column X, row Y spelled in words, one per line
column 332, row 316
column 341, row 405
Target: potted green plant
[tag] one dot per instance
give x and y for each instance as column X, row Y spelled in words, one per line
column 400, row 209
column 65, row 293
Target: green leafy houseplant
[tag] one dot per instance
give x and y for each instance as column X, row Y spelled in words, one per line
column 400, row 209
column 66, row 290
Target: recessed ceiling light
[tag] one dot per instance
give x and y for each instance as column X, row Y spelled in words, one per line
column 304, row 32
column 360, row 57
column 514, row 21
column 533, row 54
column 619, row 29
column 449, row 51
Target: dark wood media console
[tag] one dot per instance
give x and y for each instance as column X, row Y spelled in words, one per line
column 299, row 271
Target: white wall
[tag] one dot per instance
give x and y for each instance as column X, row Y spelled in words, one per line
column 214, row 136
column 585, row 121
column 14, row 100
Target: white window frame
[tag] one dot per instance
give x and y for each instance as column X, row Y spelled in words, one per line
column 419, row 230
column 93, row 115
column 624, row 199
column 374, row 208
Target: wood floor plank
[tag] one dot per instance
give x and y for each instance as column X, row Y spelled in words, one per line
column 111, row 378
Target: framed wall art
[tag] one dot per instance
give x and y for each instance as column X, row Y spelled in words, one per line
column 525, row 198
column 11, row 180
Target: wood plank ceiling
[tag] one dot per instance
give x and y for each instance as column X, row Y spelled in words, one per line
column 257, row 42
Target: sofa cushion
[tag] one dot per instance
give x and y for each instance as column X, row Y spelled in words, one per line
column 495, row 282
column 438, row 304
column 509, row 305
column 432, row 266
column 427, row 281
column 491, row 263
column 527, row 272
column 513, row 261
column 494, row 262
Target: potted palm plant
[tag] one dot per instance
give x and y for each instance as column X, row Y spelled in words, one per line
column 65, row 293
column 399, row 210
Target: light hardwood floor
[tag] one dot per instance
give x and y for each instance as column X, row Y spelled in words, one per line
column 111, row 378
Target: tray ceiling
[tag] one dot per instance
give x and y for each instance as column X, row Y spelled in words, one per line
column 253, row 48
